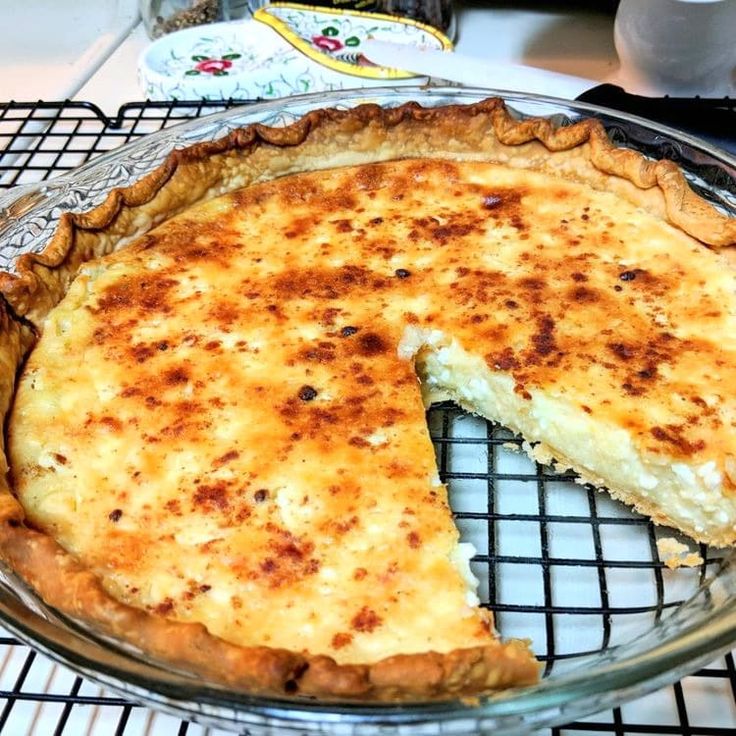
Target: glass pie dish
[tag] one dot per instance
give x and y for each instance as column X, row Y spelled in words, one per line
column 558, row 563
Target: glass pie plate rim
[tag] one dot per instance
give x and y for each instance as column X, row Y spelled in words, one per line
column 552, row 701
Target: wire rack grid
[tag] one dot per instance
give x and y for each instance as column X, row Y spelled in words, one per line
column 550, row 557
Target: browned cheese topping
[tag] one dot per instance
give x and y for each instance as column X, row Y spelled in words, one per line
column 224, row 405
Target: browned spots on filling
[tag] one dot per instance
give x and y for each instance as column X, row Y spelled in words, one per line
column 362, row 409
column 420, row 169
column 290, row 558
column 343, row 225
column 622, row 351
column 320, row 352
column 505, row 360
column 176, row 375
column 212, row 497
column 370, row 177
column 504, row 205
column 340, row 200
column 638, row 360
column 296, row 190
column 329, row 315
column 141, row 353
column 531, row 289
column 322, row 283
column 225, row 313
column 673, row 435
column 543, row 340
column 502, row 201
column 173, row 506
column 584, row 295
column 195, row 589
column 441, row 231
column 112, row 424
column 165, row 608
column 366, row 620
column 299, row 227
column 370, row 344
column 341, row 639
column 146, row 294
column 341, row 526
column 226, row 458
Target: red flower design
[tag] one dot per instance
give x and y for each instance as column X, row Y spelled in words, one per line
column 212, row 66
column 328, row 44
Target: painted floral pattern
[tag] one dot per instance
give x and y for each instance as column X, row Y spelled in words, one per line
column 247, row 60
column 207, row 65
column 328, row 40
column 327, row 44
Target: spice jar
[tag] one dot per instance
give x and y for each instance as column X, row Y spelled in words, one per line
column 164, row 16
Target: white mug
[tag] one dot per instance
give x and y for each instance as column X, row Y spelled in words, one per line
column 677, row 47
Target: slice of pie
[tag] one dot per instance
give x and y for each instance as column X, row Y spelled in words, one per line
column 218, row 444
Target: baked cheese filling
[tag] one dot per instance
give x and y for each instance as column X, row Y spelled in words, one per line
column 224, row 420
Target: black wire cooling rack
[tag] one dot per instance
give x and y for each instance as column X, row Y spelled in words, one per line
column 538, row 543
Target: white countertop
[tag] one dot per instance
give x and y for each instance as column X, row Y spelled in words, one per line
column 89, row 50
column 49, row 49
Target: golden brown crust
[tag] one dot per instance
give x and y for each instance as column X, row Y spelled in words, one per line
column 67, row 586
column 425, row 676
column 15, row 341
column 255, row 154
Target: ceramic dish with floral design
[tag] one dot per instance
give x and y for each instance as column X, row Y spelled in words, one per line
column 285, row 50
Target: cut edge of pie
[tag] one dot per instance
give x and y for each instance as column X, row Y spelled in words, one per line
column 322, row 139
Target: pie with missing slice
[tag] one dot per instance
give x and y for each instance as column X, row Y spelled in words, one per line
column 217, row 444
